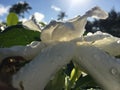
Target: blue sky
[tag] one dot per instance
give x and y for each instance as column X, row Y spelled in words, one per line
column 49, row 9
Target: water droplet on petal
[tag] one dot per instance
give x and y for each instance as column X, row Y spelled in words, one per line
column 114, row 71
column 118, row 41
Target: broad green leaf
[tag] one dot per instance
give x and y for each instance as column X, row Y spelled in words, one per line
column 70, row 81
column 17, row 35
column 85, row 82
column 12, row 19
column 75, row 74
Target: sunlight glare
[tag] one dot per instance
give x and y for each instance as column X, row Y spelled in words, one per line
column 78, row 2
column 76, row 5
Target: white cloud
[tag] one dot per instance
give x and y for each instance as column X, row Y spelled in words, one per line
column 55, row 8
column 3, row 9
column 38, row 16
column 23, row 19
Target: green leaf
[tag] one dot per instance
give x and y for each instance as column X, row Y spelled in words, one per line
column 67, row 83
column 85, row 82
column 42, row 24
column 17, row 35
column 75, row 74
column 12, row 19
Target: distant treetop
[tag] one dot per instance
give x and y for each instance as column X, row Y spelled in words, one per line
column 20, row 8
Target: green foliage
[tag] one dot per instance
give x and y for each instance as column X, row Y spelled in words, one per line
column 42, row 24
column 14, row 35
column 85, row 82
column 61, row 16
column 20, row 8
column 110, row 25
column 70, row 81
column 17, row 35
column 12, row 19
column 73, row 81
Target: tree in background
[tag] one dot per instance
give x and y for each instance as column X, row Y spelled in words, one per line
column 110, row 25
column 20, row 8
column 61, row 16
column 89, row 26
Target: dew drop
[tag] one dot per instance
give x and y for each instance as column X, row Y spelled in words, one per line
column 114, row 71
column 118, row 41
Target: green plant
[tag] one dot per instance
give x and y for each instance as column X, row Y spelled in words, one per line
column 20, row 8
column 12, row 19
column 71, row 78
column 17, row 35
